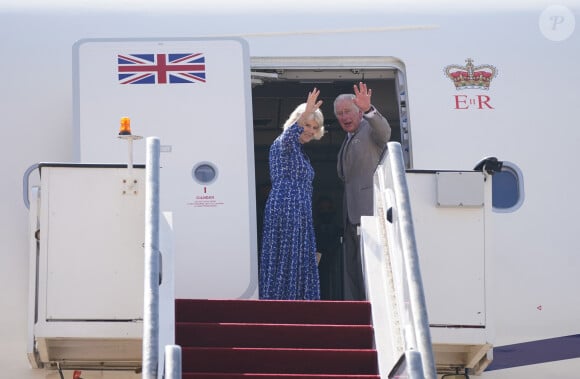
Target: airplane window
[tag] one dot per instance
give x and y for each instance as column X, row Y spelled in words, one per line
column 204, row 173
column 507, row 188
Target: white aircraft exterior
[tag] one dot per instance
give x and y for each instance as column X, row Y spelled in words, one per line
column 521, row 107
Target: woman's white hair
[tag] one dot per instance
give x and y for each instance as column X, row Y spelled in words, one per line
column 317, row 116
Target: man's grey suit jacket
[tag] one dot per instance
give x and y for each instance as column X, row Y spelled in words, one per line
column 358, row 159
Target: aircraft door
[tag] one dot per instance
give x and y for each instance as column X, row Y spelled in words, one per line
column 194, row 94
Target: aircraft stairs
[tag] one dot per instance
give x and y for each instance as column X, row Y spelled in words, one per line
column 416, row 322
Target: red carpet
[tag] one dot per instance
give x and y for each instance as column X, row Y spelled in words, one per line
column 267, row 339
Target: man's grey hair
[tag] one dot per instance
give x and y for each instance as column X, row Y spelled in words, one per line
column 345, row 96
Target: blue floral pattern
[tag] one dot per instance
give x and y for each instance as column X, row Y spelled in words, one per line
column 288, row 269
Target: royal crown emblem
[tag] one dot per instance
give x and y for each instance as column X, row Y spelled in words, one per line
column 470, row 76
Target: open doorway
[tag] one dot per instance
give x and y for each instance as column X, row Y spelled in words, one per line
column 280, row 84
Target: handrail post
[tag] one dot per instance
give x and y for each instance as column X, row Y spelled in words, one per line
column 173, row 362
column 25, row 181
column 151, row 277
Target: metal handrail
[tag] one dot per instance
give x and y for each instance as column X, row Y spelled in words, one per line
column 151, row 283
column 172, row 362
column 421, row 337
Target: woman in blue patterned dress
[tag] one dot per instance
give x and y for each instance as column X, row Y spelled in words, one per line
column 288, row 269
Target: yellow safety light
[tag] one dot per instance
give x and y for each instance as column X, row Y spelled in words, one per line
column 125, row 128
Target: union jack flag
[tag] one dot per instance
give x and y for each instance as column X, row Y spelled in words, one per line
column 161, row 68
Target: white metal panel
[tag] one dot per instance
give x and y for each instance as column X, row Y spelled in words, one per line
column 205, row 122
column 92, row 245
column 451, row 247
column 459, row 189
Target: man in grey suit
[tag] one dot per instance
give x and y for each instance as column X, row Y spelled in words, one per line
column 367, row 135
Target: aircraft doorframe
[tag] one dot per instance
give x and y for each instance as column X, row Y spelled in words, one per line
column 281, row 83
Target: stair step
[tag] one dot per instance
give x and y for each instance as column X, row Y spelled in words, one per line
column 273, row 311
column 274, row 335
column 278, row 360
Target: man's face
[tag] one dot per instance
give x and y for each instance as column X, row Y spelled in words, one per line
column 348, row 115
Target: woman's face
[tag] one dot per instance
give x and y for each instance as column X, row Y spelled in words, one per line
column 311, row 128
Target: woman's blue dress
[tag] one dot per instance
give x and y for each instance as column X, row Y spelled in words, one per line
column 288, row 269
